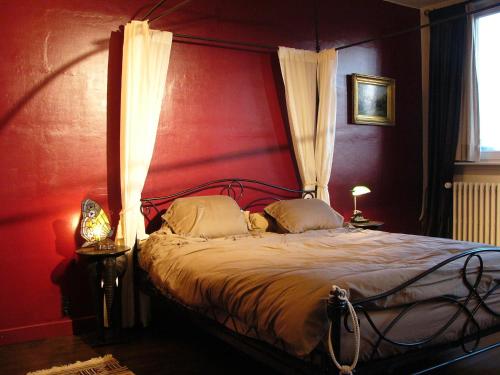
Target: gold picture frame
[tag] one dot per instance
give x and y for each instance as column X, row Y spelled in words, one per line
column 373, row 100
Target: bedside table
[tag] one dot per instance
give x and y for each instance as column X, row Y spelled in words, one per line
column 368, row 225
column 106, row 267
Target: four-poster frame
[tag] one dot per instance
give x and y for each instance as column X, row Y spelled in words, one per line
column 180, row 36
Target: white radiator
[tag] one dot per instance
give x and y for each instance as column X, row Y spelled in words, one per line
column 476, row 212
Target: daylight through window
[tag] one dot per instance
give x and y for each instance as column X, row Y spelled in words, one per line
column 487, row 65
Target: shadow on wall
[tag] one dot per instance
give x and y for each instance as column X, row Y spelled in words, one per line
column 113, row 124
column 114, row 44
column 101, row 45
column 70, row 275
column 221, row 158
column 114, row 179
column 280, row 90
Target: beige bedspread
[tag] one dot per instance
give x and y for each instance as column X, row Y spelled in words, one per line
column 279, row 283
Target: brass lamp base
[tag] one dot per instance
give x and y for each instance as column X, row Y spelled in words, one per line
column 106, row 244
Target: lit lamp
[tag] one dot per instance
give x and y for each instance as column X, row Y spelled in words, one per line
column 95, row 227
column 357, row 216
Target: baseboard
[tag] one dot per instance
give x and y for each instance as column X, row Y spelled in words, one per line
column 63, row 327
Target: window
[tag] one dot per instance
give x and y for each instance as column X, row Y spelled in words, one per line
column 488, row 77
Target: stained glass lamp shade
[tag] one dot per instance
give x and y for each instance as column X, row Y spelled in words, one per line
column 95, row 225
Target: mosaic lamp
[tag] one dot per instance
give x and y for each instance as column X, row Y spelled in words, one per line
column 95, row 227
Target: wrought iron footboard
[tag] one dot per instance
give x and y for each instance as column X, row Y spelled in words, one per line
column 468, row 305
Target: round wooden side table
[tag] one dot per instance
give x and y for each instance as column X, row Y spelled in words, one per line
column 367, row 224
column 105, row 271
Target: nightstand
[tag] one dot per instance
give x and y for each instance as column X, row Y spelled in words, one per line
column 106, row 267
column 367, row 225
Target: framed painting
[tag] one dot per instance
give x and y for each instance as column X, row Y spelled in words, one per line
column 373, row 100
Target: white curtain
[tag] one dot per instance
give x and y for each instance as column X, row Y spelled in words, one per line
column 304, row 74
column 327, row 110
column 468, row 148
column 146, row 55
column 298, row 68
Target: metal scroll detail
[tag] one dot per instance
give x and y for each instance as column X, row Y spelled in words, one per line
column 233, row 187
column 467, row 306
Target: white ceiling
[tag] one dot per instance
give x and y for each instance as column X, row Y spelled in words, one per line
column 418, row 4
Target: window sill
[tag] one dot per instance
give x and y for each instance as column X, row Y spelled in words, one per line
column 479, row 163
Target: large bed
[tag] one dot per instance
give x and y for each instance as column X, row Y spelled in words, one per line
column 409, row 291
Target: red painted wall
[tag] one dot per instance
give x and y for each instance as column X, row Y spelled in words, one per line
column 223, row 116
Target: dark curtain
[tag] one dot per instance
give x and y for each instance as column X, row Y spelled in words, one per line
column 447, row 49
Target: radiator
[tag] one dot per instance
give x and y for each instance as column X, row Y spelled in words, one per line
column 476, row 212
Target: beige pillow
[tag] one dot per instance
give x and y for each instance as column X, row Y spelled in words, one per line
column 247, row 220
column 258, row 222
column 206, row 216
column 299, row 215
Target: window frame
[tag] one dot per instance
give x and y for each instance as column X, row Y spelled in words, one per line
column 490, row 156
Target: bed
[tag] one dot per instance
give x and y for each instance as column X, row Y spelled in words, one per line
column 271, row 293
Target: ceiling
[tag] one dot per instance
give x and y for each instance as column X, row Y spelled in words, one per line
column 418, row 4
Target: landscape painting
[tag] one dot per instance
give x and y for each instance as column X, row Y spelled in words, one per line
column 373, row 100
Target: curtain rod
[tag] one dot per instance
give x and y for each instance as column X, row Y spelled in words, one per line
column 391, row 35
column 427, row 11
column 156, row 6
column 416, row 28
column 171, row 10
column 224, row 41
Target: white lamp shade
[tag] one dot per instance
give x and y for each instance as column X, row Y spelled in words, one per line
column 360, row 190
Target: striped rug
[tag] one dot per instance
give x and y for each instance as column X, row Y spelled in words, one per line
column 106, row 365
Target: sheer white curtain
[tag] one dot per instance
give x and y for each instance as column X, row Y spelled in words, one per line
column 327, row 111
column 468, row 148
column 146, row 55
column 298, row 68
column 304, row 71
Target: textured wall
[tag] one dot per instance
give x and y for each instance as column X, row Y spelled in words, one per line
column 223, row 116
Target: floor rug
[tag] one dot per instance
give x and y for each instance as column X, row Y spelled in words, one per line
column 106, row 365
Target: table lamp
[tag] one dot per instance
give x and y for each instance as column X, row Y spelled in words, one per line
column 95, row 227
column 357, row 216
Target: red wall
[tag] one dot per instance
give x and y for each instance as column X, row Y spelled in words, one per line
column 223, row 116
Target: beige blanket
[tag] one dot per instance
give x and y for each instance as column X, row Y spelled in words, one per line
column 279, row 283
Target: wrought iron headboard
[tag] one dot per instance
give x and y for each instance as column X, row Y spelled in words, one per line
column 233, row 187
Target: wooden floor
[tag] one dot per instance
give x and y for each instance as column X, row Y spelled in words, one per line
column 144, row 352
column 178, row 351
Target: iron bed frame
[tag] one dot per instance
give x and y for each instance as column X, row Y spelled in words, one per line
column 318, row 360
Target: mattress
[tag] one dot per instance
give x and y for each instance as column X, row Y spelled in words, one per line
column 275, row 286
